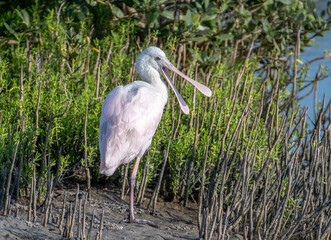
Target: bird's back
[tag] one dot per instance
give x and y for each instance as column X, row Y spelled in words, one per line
column 130, row 116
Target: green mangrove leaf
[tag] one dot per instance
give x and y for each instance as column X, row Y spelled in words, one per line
column 10, row 29
column 208, row 17
column 206, row 3
column 195, row 18
column 188, row 18
column 167, row 15
column 117, row 12
column 223, row 37
column 286, row 2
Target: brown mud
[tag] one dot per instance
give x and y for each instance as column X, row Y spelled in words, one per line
column 173, row 220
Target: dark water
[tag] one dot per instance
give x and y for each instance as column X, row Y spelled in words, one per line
column 314, row 51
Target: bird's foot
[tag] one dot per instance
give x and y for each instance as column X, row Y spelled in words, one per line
column 141, row 221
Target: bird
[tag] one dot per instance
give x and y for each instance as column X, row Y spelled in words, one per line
column 130, row 115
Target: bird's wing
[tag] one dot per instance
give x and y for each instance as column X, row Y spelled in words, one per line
column 130, row 116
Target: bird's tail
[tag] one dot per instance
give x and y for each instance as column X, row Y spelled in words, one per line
column 105, row 170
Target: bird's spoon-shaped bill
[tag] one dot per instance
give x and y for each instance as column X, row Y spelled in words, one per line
column 181, row 101
column 202, row 88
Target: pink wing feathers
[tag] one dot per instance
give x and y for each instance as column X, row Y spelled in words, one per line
column 130, row 116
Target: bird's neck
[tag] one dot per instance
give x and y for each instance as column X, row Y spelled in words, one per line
column 152, row 76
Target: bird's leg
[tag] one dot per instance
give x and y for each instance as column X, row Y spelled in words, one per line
column 132, row 184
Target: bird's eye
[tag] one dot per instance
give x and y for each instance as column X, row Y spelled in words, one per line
column 157, row 58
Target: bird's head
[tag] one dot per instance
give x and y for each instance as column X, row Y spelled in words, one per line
column 154, row 57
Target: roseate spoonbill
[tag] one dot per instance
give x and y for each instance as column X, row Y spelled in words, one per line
column 131, row 114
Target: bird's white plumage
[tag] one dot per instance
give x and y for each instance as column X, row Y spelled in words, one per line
column 129, row 119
